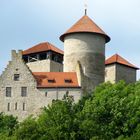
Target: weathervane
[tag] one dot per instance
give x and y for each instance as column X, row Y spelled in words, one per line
column 85, row 7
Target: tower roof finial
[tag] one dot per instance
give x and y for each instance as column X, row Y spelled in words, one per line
column 85, row 7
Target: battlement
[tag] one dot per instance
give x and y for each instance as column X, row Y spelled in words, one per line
column 16, row 54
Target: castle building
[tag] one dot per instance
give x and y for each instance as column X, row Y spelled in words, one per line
column 37, row 76
column 117, row 68
column 44, row 57
column 84, row 47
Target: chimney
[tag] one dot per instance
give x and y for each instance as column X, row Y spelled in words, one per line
column 14, row 54
column 19, row 54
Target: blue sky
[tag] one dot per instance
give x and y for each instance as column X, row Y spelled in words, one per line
column 25, row 23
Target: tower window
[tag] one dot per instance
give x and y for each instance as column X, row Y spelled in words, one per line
column 33, row 58
column 25, row 59
column 8, row 91
column 56, row 58
column 16, row 77
column 8, row 107
column 43, row 56
column 23, row 91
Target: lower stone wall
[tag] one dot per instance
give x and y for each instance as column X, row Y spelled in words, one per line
column 58, row 93
column 35, row 100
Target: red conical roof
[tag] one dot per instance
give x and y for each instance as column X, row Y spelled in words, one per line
column 86, row 25
column 42, row 47
column 118, row 59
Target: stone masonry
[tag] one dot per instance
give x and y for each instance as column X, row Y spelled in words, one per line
column 35, row 98
column 89, row 50
column 116, row 72
column 45, row 66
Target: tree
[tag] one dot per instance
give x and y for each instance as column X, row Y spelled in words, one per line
column 28, row 129
column 7, row 125
column 57, row 121
column 114, row 110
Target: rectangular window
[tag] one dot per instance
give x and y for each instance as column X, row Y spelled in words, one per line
column 8, row 91
column 33, row 58
column 42, row 56
column 15, row 106
column 23, row 91
column 24, row 106
column 16, row 77
column 67, row 92
column 8, row 107
column 46, row 93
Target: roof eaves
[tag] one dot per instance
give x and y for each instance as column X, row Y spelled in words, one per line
column 122, row 64
column 62, row 37
column 55, row 87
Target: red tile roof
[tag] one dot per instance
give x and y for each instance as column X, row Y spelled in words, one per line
column 56, row 79
column 85, row 24
column 118, row 59
column 42, row 47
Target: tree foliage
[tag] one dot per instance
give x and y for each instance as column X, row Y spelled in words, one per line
column 7, row 125
column 28, row 129
column 111, row 112
column 114, row 110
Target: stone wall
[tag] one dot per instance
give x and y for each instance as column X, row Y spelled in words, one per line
column 17, row 66
column 45, row 66
column 35, row 99
column 125, row 73
column 58, row 93
column 89, row 50
column 116, row 72
column 110, row 73
column 56, row 67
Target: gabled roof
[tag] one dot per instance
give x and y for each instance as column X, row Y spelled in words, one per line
column 118, row 59
column 56, row 79
column 42, row 47
column 85, row 24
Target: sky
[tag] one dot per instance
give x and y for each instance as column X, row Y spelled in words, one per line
column 25, row 23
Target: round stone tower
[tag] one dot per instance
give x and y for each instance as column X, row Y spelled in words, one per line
column 84, row 46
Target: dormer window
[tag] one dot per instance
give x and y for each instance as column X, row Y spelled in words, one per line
column 51, row 81
column 16, row 77
column 68, row 81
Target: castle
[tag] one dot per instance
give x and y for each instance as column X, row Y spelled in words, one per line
column 43, row 73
